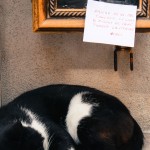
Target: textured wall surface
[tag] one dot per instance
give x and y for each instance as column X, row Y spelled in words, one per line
column 30, row 60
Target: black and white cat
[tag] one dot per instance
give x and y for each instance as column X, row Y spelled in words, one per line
column 68, row 117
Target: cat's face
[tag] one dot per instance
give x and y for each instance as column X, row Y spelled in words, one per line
column 17, row 137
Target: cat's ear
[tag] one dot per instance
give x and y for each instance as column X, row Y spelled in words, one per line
column 15, row 131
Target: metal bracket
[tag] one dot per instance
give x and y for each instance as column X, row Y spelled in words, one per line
column 120, row 48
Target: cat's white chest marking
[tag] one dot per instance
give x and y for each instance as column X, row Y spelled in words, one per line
column 77, row 111
column 71, row 148
column 37, row 126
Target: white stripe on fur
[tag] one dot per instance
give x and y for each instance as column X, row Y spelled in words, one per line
column 36, row 125
column 77, row 111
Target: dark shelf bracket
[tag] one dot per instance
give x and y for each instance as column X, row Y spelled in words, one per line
column 120, row 48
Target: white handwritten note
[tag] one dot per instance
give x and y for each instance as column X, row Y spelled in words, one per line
column 110, row 23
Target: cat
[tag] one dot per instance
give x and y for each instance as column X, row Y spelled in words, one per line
column 68, row 117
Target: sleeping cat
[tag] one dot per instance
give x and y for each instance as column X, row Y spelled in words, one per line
column 68, row 117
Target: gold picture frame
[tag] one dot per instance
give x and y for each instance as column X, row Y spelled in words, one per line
column 47, row 16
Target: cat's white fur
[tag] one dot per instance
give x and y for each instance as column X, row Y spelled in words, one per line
column 37, row 126
column 71, row 148
column 77, row 111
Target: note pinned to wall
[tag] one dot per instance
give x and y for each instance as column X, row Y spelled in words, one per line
column 110, row 23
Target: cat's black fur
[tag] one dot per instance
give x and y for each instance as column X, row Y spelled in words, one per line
column 110, row 126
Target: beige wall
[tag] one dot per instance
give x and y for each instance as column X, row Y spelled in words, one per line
column 30, row 60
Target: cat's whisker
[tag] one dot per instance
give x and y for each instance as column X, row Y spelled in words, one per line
column 51, row 139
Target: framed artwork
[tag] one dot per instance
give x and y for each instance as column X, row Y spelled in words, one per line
column 68, row 15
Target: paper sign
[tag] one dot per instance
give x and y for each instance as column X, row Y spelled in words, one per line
column 110, row 23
